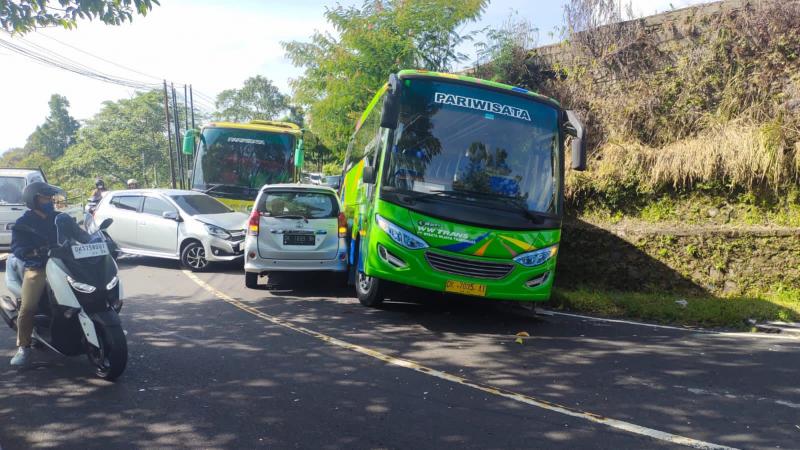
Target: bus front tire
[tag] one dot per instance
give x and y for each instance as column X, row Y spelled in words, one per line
column 369, row 290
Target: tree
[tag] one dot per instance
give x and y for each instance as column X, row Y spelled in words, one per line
column 343, row 72
column 257, row 99
column 57, row 132
column 126, row 139
column 23, row 16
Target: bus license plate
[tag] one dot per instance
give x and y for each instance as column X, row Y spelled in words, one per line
column 460, row 287
column 298, row 239
column 89, row 250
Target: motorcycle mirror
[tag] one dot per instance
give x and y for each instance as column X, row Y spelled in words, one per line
column 106, row 223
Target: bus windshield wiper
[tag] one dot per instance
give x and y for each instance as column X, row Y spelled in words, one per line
column 226, row 187
column 510, row 201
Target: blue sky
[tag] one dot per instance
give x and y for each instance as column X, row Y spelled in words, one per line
column 210, row 44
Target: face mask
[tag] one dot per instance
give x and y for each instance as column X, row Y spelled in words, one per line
column 47, row 208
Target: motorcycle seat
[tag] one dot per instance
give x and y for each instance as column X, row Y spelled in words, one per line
column 14, row 274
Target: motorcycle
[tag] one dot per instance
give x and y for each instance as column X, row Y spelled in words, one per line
column 79, row 309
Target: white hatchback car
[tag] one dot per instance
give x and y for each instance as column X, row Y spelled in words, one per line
column 295, row 227
column 168, row 223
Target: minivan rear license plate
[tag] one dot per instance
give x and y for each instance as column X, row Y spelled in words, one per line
column 298, row 239
column 461, row 287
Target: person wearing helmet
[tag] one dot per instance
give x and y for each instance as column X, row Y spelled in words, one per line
column 133, row 184
column 31, row 237
column 100, row 189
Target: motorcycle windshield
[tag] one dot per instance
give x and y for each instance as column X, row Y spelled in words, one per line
column 97, row 271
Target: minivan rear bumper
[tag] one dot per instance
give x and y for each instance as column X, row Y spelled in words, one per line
column 260, row 265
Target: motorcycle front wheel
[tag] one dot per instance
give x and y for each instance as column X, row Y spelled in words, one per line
column 111, row 358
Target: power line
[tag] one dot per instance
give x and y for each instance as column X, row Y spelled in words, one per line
column 99, row 57
column 47, row 57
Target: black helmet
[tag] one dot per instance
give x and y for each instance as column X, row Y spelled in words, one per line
column 99, row 183
column 37, row 188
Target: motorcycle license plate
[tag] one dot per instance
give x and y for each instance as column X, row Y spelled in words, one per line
column 89, row 250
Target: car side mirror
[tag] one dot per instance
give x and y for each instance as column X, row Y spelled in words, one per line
column 188, row 142
column 171, row 215
column 106, row 223
column 368, row 175
column 574, row 128
column 390, row 112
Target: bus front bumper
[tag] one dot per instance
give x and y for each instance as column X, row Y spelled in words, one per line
column 410, row 267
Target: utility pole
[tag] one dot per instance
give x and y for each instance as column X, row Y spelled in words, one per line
column 169, row 136
column 186, row 122
column 176, row 119
column 191, row 102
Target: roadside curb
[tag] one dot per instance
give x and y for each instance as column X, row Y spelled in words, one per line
column 784, row 328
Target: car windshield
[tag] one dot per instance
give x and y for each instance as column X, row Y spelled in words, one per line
column 455, row 139
column 194, row 204
column 236, row 162
column 308, row 205
column 11, row 190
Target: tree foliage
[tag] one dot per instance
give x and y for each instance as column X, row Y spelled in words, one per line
column 23, row 16
column 57, row 132
column 126, row 139
column 343, row 72
column 258, row 98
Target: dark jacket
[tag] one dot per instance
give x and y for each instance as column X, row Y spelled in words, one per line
column 32, row 236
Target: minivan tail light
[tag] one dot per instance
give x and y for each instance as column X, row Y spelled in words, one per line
column 342, row 225
column 252, row 227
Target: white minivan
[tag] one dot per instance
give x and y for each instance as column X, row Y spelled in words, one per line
column 12, row 183
column 295, row 227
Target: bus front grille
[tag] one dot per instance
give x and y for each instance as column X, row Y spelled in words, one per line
column 468, row 267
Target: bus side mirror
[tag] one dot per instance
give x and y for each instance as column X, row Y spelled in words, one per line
column 574, row 128
column 368, row 175
column 299, row 154
column 390, row 113
column 188, row 142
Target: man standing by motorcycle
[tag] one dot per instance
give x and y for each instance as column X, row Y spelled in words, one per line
column 31, row 238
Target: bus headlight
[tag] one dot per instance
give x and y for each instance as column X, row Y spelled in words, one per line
column 399, row 235
column 536, row 257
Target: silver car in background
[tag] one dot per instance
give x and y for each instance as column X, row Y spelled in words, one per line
column 295, row 227
column 166, row 223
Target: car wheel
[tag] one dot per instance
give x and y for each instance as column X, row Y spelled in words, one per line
column 251, row 280
column 369, row 290
column 193, row 257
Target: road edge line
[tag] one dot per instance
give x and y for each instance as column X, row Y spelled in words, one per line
column 497, row 391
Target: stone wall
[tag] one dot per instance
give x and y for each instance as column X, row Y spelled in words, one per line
column 717, row 260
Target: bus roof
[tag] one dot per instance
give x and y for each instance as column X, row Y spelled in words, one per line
column 412, row 73
column 403, row 74
column 260, row 125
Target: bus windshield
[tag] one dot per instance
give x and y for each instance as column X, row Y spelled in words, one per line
column 235, row 163
column 480, row 145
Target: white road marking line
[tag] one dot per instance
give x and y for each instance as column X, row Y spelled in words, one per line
column 497, row 391
column 668, row 327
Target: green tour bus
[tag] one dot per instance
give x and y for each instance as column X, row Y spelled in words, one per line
column 455, row 184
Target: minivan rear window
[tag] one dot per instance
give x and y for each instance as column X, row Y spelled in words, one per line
column 11, row 190
column 311, row 205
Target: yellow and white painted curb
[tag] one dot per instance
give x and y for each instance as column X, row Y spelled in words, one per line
column 496, row 391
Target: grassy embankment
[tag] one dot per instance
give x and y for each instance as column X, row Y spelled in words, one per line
column 695, row 124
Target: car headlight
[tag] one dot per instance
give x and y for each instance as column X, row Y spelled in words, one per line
column 80, row 287
column 112, row 284
column 536, row 257
column 399, row 235
column 217, row 231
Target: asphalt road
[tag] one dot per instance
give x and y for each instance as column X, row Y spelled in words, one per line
column 303, row 365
